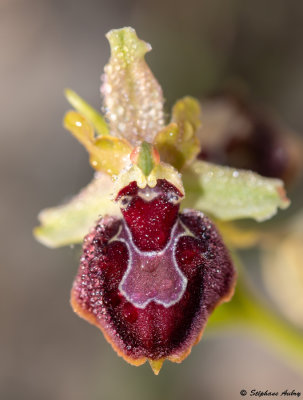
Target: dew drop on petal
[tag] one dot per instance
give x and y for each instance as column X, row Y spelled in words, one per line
column 130, row 313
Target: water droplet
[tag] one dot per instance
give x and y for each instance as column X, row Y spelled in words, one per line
column 114, row 299
column 130, row 313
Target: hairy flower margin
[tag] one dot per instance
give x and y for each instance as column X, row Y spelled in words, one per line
column 149, row 275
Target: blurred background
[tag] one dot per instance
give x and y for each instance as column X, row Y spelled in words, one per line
column 47, row 352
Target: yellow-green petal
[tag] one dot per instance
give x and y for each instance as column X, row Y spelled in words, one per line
column 132, row 97
column 187, row 111
column 107, row 153
column 236, row 237
column 80, row 128
column 178, row 143
column 228, row 193
column 70, row 222
column 92, row 115
column 112, row 154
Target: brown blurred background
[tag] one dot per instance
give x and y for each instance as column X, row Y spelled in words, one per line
column 47, row 352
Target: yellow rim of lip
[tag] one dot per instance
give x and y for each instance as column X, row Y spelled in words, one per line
column 93, row 320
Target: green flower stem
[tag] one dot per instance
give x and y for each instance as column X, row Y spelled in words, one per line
column 246, row 311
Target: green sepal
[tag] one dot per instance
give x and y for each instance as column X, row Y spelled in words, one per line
column 70, row 222
column 227, row 193
column 132, row 97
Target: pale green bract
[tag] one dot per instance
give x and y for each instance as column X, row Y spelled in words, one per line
column 70, row 222
column 227, row 193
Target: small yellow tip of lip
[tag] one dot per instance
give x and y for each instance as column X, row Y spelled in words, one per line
column 156, row 365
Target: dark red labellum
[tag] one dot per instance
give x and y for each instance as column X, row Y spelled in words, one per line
column 150, row 280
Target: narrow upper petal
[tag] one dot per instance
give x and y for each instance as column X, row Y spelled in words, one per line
column 178, row 143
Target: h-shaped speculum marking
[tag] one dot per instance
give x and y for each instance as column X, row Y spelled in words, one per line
column 153, row 275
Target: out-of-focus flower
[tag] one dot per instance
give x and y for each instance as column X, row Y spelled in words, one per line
column 282, row 269
column 149, row 275
column 237, row 133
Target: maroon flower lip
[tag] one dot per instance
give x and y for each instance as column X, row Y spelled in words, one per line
column 149, row 281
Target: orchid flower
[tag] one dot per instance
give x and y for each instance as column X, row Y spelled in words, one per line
column 154, row 265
